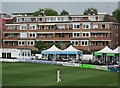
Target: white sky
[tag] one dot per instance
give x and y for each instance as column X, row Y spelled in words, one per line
column 74, row 7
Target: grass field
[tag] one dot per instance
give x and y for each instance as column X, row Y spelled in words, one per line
column 30, row 74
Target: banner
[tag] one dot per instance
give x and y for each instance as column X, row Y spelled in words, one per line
column 101, row 67
column 86, row 66
column 71, row 64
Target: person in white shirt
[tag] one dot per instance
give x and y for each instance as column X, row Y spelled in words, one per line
column 58, row 76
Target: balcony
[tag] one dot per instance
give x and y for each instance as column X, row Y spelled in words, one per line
column 89, row 48
column 54, row 38
column 16, row 46
column 13, row 38
column 99, row 38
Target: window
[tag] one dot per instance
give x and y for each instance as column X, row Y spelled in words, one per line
column 86, row 35
column 21, row 43
column 105, row 35
column 106, row 25
column 25, row 53
column 28, row 53
column 23, row 27
column 76, row 34
column 10, row 27
column 32, row 26
column 32, row 35
column 30, row 43
column 61, row 35
column 75, row 26
column 84, row 43
column 75, row 43
column 95, row 26
column 96, row 18
column 86, row 25
column 23, row 35
column 103, row 25
column 78, row 26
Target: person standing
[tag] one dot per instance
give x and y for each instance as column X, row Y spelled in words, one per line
column 58, row 76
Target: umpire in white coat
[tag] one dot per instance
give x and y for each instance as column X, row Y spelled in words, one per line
column 58, row 76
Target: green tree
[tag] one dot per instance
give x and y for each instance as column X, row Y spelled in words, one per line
column 116, row 14
column 46, row 11
column 50, row 12
column 57, row 44
column 38, row 12
column 90, row 11
column 64, row 12
column 41, row 45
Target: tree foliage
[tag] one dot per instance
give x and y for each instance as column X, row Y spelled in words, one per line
column 41, row 45
column 46, row 12
column 38, row 12
column 64, row 12
column 116, row 14
column 90, row 11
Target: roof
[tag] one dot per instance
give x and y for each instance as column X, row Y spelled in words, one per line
column 117, row 50
column 105, row 50
column 53, row 48
column 15, row 13
column 71, row 48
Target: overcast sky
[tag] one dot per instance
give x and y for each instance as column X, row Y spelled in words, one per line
column 73, row 8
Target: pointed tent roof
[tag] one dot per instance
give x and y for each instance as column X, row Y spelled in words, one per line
column 71, row 48
column 105, row 50
column 53, row 48
column 117, row 50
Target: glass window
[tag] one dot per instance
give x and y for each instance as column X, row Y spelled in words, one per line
column 78, row 34
column 74, row 26
column 103, row 26
column 87, row 26
column 87, row 34
column 83, row 34
column 25, row 53
column 28, row 43
column 23, row 42
column 78, row 26
column 31, row 42
column 82, row 42
column 28, row 53
column 85, row 42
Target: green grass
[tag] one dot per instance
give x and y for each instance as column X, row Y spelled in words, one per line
column 29, row 74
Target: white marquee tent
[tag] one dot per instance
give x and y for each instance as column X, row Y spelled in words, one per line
column 105, row 50
column 54, row 52
column 116, row 51
column 106, row 54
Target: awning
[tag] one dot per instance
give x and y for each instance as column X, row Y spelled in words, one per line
column 110, row 54
column 98, row 54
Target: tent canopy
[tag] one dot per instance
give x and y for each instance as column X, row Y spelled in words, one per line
column 55, row 50
column 52, row 50
column 72, row 50
column 117, row 50
column 105, row 50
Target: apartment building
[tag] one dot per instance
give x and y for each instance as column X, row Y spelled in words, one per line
column 4, row 18
column 85, row 32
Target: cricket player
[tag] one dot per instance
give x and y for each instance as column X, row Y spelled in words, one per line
column 58, row 76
